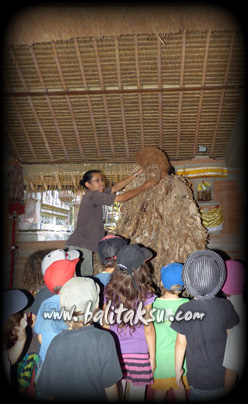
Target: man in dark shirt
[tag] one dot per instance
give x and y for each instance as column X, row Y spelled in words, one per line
column 90, row 227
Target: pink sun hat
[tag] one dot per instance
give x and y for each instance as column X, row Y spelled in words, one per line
column 235, row 279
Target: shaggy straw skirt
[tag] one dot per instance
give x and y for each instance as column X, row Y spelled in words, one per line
column 136, row 368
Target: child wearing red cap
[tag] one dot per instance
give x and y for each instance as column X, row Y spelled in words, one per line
column 58, row 267
column 235, row 353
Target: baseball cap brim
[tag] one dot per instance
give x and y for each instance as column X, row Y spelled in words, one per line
column 147, row 254
column 131, row 257
column 12, row 302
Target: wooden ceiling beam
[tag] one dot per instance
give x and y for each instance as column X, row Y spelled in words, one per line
column 74, row 123
column 105, row 103
column 81, row 66
column 174, row 89
column 12, row 140
column 204, row 71
column 160, row 97
column 37, row 119
column 32, row 53
column 136, row 49
column 180, row 95
column 123, row 115
column 23, row 125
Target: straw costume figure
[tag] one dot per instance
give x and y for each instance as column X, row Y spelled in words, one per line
column 165, row 218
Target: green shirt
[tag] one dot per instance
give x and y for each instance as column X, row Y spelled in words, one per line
column 166, row 336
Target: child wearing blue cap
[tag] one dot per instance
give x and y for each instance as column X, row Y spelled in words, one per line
column 166, row 307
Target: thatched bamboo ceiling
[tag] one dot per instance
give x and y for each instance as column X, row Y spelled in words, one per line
column 89, row 85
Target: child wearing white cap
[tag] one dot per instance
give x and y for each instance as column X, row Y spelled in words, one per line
column 81, row 362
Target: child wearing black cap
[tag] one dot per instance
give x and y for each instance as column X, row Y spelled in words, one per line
column 203, row 337
column 129, row 286
column 166, row 307
column 13, row 328
column 107, row 250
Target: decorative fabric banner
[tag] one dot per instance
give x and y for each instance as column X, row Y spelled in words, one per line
column 209, row 171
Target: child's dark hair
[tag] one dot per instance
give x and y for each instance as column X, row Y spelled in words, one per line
column 32, row 276
column 129, row 289
column 88, row 177
column 9, row 333
column 110, row 264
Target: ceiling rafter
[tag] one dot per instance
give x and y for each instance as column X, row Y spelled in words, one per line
column 160, row 97
column 74, row 123
column 99, row 69
column 81, row 66
column 136, row 49
column 43, row 134
column 222, row 93
column 132, row 90
column 123, row 116
column 204, row 71
column 22, row 124
column 180, row 97
column 31, row 50
column 12, row 140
